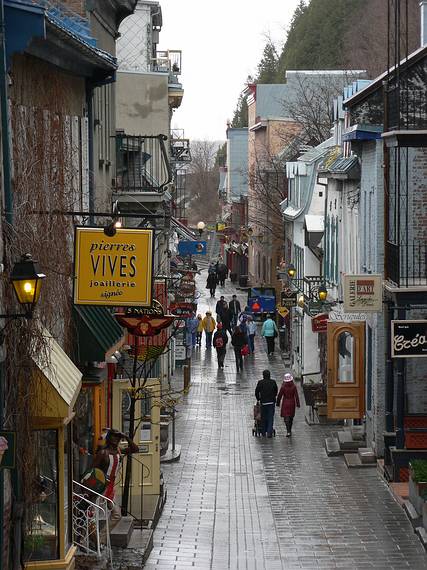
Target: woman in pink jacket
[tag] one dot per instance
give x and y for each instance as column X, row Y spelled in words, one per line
column 288, row 395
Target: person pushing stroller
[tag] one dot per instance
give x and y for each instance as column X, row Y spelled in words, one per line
column 266, row 393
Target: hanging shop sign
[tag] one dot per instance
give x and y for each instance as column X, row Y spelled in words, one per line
column 144, row 321
column 192, row 248
column 319, row 323
column 362, row 293
column 113, row 270
column 288, row 298
column 409, row 339
column 183, row 310
column 283, row 311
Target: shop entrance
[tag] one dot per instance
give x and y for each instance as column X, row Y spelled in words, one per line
column 145, row 482
column 346, row 377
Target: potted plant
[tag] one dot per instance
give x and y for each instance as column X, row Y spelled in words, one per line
column 418, row 484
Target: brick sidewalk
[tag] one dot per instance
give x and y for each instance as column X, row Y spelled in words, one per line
column 240, row 502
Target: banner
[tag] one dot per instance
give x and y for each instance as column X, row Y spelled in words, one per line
column 409, row 339
column 115, row 271
column 363, row 293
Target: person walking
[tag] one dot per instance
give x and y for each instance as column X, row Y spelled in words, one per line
column 199, row 331
column 266, row 394
column 211, row 283
column 251, row 328
column 288, row 396
column 222, row 273
column 226, row 321
column 221, row 308
column 234, row 306
column 238, row 340
column 269, row 331
column 208, row 324
column 192, row 325
column 220, row 340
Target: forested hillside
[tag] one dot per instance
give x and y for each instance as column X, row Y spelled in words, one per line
column 332, row 34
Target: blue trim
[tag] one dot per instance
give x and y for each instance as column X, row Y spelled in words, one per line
column 361, row 136
column 23, row 22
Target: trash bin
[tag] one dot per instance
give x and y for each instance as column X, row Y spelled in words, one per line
column 243, row 281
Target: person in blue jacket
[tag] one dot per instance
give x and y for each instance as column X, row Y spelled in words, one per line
column 269, row 331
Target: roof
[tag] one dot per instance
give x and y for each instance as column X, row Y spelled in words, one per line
column 62, row 375
column 98, row 332
column 376, row 84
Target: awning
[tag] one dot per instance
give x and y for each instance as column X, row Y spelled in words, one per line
column 59, row 383
column 98, row 333
column 182, row 231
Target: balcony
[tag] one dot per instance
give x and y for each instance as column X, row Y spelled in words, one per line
column 407, row 264
column 142, row 164
column 407, row 117
column 168, row 61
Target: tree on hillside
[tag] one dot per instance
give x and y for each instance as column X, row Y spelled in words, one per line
column 371, row 53
column 268, row 66
column 202, row 182
column 240, row 117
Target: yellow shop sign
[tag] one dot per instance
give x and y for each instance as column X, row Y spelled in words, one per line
column 117, row 270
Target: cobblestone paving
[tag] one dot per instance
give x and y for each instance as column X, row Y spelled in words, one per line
column 239, row 502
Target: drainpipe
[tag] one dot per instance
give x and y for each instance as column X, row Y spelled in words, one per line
column 8, row 201
column 89, row 104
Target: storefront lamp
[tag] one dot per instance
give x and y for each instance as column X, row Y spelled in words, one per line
column 26, row 280
column 300, row 301
column 200, row 227
column 292, row 271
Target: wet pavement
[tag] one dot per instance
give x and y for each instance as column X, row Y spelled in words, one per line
column 240, row 502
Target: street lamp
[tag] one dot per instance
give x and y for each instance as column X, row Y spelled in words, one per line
column 301, row 300
column 26, row 280
column 200, row 227
column 292, row 271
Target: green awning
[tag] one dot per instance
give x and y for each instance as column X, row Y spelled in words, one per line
column 97, row 332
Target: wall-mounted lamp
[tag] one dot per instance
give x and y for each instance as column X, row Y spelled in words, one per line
column 322, row 293
column 300, row 301
column 116, row 222
column 291, row 271
column 26, row 280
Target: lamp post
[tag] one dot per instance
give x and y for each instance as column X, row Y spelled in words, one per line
column 200, row 228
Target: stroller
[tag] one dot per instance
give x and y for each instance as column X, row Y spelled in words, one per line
column 257, row 429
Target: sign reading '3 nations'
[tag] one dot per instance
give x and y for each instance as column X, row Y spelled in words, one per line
column 113, row 270
column 409, row 339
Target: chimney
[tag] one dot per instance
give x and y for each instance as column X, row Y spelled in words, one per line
column 423, row 6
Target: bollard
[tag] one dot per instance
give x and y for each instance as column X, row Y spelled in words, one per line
column 187, row 376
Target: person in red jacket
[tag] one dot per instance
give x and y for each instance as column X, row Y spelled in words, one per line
column 288, row 395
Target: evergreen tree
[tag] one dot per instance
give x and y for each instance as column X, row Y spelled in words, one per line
column 240, row 117
column 268, row 66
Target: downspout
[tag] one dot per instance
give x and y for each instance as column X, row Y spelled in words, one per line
column 89, row 104
column 8, row 199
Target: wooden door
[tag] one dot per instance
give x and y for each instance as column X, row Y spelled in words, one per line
column 346, row 370
column 146, row 463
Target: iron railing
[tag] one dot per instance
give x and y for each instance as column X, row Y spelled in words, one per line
column 406, row 264
column 142, row 163
column 168, row 61
column 407, row 109
column 91, row 530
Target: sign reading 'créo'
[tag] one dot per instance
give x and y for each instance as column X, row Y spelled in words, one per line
column 408, row 339
column 113, row 270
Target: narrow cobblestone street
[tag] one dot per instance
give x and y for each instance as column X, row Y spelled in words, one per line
column 240, row 502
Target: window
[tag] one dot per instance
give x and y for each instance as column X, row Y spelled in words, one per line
column 41, row 541
column 345, row 358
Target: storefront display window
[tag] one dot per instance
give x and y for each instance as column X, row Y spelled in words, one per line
column 83, row 431
column 67, row 488
column 42, row 540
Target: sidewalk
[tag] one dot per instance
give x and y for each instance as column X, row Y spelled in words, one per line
column 240, row 502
